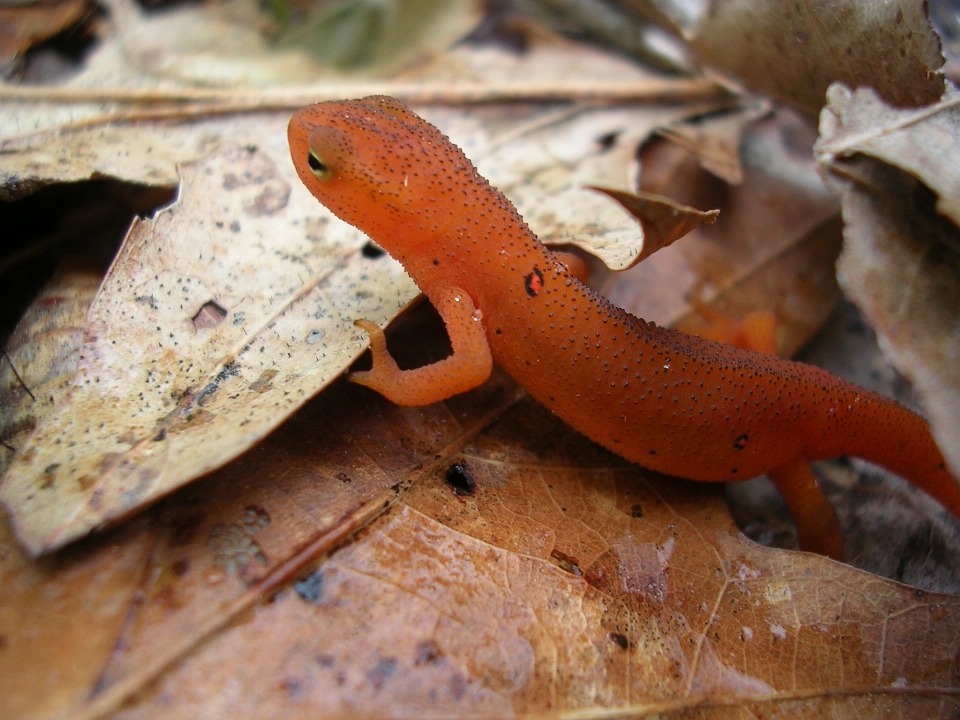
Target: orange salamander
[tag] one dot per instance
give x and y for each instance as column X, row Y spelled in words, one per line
column 668, row 401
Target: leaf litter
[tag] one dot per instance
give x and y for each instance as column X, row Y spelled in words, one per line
column 543, row 526
column 564, row 564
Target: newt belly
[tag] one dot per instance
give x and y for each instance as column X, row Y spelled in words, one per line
column 666, row 400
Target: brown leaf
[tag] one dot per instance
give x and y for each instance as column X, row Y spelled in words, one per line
column 716, row 138
column 895, row 172
column 798, row 286
column 567, row 579
column 663, row 220
column 214, row 548
column 794, row 51
column 753, row 250
column 24, row 26
column 60, row 618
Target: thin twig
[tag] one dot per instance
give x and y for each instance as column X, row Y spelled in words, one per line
column 670, row 89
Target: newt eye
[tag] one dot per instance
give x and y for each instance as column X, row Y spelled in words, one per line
column 318, row 167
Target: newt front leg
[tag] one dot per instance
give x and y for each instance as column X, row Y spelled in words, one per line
column 468, row 366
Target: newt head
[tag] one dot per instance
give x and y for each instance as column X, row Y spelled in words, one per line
column 378, row 167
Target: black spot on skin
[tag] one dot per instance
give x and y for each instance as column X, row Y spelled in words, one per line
column 620, row 639
column 741, row 442
column 372, row 250
column 436, row 262
column 653, row 452
column 159, row 437
column 636, row 511
column 459, row 479
column 533, row 283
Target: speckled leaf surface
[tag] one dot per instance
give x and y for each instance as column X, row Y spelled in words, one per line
column 219, row 317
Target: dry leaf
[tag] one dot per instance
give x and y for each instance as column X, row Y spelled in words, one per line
column 563, row 579
column 663, row 220
column 798, row 285
column 24, row 25
column 716, row 138
column 895, row 172
column 780, row 204
column 793, row 51
column 42, row 353
column 347, row 454
column 218, row 319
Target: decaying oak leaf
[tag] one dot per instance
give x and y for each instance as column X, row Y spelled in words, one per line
column 663, row 220
column 218, row 318
column 201, row 558
column 206, row 544
column 60, row 618
column 754, row 246
column 42, row 352
column 896, row 174
column 794, row 51
column 716, row 138
column 527, row 573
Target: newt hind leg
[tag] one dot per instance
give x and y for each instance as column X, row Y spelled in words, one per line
column 818, row 529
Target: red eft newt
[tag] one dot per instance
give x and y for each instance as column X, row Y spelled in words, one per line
column 668, row 401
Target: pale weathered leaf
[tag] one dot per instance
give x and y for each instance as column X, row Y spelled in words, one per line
column 218, row 318
column 896, row 174
column 716, row 138
column 41, row 355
